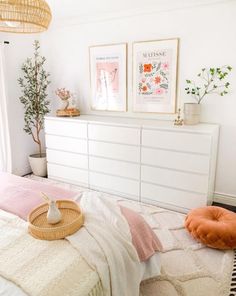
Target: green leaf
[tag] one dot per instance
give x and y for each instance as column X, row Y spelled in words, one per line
column 34, row 83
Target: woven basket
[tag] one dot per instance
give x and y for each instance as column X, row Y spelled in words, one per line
column 25, row 16
column 68, row 112
column 72, row 220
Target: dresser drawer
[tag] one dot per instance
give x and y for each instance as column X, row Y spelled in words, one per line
column 176, row 160
column 67, row 159
column 180, row 180
column 68, row 174
column 114, row 134
column 173, row 197
column 114, row 185
column 114, row 167
column 179, row 141
column 114, row 151
column 66, row 144
column 66, row 128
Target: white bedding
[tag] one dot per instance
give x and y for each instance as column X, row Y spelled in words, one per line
column 106, row 232
column 118, row 258
column 7, row 288
column 41, row 267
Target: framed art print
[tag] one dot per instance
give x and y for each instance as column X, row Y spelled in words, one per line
column 108, row 77
column 155, row 76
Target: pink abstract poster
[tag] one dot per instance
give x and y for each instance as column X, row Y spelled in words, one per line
column 108, row 77
column 107, row 74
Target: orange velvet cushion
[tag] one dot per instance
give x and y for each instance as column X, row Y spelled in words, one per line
column 213, row 226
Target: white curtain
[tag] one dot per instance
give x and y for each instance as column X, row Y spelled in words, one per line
column 5, row 149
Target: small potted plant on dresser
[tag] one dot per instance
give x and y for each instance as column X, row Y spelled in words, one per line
column 34, row 98
column 211, row 82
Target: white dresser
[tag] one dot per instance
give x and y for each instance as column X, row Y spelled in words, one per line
column 149, row 161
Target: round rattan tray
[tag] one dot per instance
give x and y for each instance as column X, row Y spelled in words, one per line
column 72, row 220
column 70, row 112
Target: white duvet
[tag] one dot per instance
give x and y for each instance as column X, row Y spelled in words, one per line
column 105, row 243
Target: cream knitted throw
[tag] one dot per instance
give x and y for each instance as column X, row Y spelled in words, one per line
column 30, row 263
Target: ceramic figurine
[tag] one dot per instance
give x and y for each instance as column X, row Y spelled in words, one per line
column 53, row 214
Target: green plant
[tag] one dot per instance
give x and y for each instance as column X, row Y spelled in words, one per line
column 34, row 94
column 211, row 82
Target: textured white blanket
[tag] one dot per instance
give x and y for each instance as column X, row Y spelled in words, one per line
column 41, row 267
column 106, row 243
column 55, row 268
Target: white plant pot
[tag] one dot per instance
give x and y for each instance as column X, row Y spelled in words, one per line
column 192, row 113
column 38, row 164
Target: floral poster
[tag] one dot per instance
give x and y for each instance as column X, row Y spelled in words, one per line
column 155, row 73
column 108, row 77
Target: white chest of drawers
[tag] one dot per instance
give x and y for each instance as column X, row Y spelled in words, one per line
column 149, row 161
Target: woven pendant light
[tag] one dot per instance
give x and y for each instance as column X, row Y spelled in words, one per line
column 24, row 16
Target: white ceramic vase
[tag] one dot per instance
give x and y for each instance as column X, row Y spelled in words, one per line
column 38, row 164
column 192, row 113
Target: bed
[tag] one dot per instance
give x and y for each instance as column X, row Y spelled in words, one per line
column 187, row 267
column 94, row 261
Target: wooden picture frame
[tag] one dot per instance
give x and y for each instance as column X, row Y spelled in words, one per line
column 155, row 65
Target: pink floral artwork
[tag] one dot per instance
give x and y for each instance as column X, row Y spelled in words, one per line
column 159, row 91
column 165, row 66
column 154, row 78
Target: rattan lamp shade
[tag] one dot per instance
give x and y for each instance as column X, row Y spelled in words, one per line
column 24, row 16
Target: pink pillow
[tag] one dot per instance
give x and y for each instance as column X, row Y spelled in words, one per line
column 144, row 239
column 20, row 195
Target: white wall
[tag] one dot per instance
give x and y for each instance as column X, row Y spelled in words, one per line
column 207, row 38
column 22, row 145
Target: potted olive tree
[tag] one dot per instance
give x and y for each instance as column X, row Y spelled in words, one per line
column 34, row 86
column 211, row 81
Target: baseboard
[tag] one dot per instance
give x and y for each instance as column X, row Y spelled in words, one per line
column 225, row 199
column 22, row 171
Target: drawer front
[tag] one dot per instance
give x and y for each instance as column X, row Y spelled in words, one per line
column 171, row 196
column 187, row 142
column 114, row 167
column 66, row 144
column 66, row 128
column 67, row 159
column 114, row 134
column 114, row 151
column 180, row 180
column 71, row 175
column 114, row 184
column 176, row 160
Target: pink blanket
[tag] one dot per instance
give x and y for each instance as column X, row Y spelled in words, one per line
column 144, row 239
column 20, row 195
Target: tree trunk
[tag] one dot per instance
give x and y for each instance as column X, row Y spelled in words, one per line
column 40, row 148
